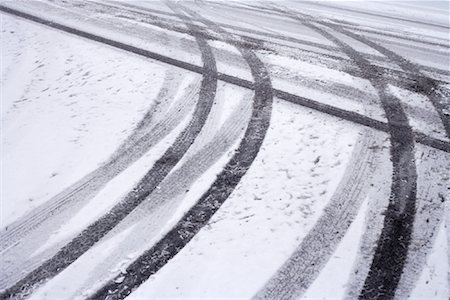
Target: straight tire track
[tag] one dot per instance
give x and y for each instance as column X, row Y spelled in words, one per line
column 309, row 103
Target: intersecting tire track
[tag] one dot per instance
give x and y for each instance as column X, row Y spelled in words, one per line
column 20, row 257
column 245, row 41
column 400, row 214
column 299, row 100
column 197, row 217
column 440, row 103
column 94, row 232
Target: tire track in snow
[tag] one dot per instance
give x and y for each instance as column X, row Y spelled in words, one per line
column 192, row 222
column 156, row 213
column 309, row 103
column 94, row 232
column 137, row 15
column 427, row 216
column 433, row 184
column 390, row 255
column 147, row 134
column 36, row 231
column 425, row 85
column 298, row 273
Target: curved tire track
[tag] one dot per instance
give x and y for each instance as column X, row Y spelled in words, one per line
column 93, row 233
column 197, row 217
column 155, row 214
column 147, row 134
column 390, row 255
column 300, row 270
column 22, row 256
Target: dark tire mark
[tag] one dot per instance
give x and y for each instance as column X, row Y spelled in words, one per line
column 94, row 232
column 424, row 85
column 392, row 248
column 300, row 270
column 197, row 217
column 148, row 133
column 132, row 12
column 151, row 216
column 33, row 233
column 312, row 104
column 393, row 245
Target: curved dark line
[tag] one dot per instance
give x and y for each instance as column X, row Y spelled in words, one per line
column 197, row 217
column 246, row 41
column 94, row 232
column 390, row 255
column 309, row 103
column 424, row 85
column 392, row 247
column 145, row 135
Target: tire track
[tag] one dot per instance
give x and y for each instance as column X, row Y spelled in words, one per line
column 137, row 14
column 192, row 222
column 433, row 185
column 403, row 250
column 354, row 26
column 309, row 103
column 93, row 233
column 155, row 214
column 390, row 255
column 301, row 269
column 427, row 216
column 426, row 85
column 22, row 254
column 147, row 134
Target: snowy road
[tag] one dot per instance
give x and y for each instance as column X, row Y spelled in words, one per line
column 225, row 149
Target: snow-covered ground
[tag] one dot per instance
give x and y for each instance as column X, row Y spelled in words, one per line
column 225, row 149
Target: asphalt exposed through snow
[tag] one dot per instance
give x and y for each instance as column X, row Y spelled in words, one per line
column 392, row 240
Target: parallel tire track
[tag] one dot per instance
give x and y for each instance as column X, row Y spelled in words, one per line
column 192, row 222
column 300, row 270
column 35, row 232
column 414, row 261
column 309, row 103
column 392, row 248
column 147, row 16
column 92, row 234
column 148, row 133
column 391, row 252
column 152, row 216
column 426, row 85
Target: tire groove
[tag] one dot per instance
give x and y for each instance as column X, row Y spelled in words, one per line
column 192, row 222
column 309, row 103
column 390, row 254
column 93, row 233
column 133, row 147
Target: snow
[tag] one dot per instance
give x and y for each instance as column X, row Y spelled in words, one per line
column 265, row 217
column 72, row 113
column 67, row 104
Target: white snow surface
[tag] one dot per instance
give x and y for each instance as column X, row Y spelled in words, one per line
column 67, row 103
